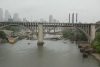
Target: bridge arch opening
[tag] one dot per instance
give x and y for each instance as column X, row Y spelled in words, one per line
column 85, row 36
column 21, row 26
column 88, row 37
column 97, row 29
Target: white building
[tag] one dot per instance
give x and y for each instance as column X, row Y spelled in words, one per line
column 50, row 18
column 7, row 15
column 43, row 21
column 1, row 14
column 15, row 17
column 54, row 20
column 25, row 20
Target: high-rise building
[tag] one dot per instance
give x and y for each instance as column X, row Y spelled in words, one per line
column 16, row 17
column 25, row 20
column 76, row 17
column 1, row 14
column 54, row 20
column 69, row 17
column 10, row 19
column 50, row 18
column 19, row 20
column 73, row 18
column 57, row 21
column 7, row 15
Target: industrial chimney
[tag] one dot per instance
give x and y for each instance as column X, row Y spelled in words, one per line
column 76, row 17
column 73, row 18
column 69, row 17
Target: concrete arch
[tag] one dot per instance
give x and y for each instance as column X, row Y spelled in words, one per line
column 16, row 25
column 97, row 28
column 88, row 37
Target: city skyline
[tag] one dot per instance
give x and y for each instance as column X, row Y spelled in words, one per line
column 88, row 10
column 7, row 16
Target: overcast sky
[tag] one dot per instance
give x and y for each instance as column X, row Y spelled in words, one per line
column 88, row 10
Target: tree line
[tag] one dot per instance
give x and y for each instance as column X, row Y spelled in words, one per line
column 96, row 42
column 79, row 35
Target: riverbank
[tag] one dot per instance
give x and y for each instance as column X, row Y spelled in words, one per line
column 86, row 44
column 96, row 55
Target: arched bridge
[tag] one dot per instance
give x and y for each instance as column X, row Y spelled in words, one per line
column 88, row 29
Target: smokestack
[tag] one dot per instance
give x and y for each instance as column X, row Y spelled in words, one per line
column 69, row 17
column 76, row 17
column 73, row 18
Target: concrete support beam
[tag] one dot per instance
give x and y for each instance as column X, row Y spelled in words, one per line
column 40, row 34
column 92, row 32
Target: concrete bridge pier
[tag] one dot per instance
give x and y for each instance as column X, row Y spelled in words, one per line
column 92, row 32
column 40, row 34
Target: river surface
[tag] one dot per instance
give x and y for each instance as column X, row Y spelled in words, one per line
column 51, row 54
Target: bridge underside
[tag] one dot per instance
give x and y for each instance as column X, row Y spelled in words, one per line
column 88, row 29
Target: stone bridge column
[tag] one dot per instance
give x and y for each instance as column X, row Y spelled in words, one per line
column 92, row 32
column 40, row 34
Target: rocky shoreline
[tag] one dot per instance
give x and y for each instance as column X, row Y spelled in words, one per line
column 91, row 51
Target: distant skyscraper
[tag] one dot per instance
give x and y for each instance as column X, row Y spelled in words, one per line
column 10, row 19
column 19, row 20
column 7, row 15
column 1, row 14
column 50, row 18
column 54, row 20
column 57, row 21
column 73, row 18
column 16, row 17
column 69, row 17
column 24, row 20
column 76, row 17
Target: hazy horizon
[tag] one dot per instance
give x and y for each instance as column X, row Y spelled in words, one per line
column 88, row 10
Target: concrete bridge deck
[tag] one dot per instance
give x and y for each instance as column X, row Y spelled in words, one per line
column 88, row 29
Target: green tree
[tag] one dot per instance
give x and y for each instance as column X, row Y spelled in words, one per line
column 81, row 36
column 66, row 33
column 97, row 36
column 2, row 35
column 98, row 22
column 96, row 42
column 12, row 28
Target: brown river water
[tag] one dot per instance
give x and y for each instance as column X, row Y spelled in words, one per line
column 51, row 54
